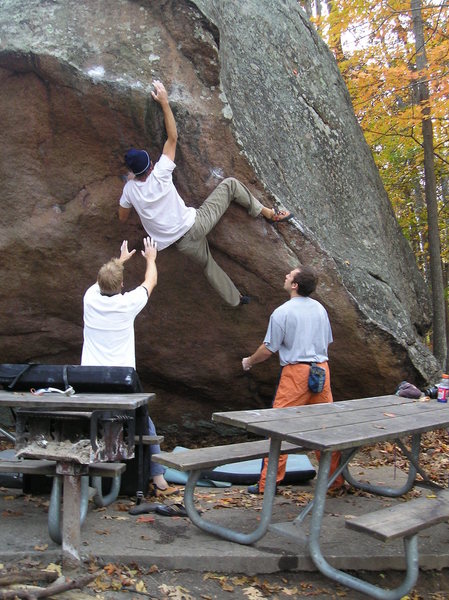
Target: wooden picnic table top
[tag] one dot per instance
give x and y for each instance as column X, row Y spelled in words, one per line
column 345, row 424
column 56, row 401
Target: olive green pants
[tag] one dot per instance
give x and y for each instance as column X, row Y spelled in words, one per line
column 194, row 243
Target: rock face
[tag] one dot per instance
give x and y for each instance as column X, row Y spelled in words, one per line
column 256, row 95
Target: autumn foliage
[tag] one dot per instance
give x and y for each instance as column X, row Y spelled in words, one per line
column 374, row 46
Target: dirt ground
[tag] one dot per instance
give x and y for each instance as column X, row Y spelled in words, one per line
column 118, row 582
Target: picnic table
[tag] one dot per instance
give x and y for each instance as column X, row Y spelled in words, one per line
column 346, row 427
column 97, row 457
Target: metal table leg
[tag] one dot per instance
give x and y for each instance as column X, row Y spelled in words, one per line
column 341, row 469
column 410, row 546
column 101, row 500
column 7, row 435
column 267, row 506
column 55, row 508
column 413, row 457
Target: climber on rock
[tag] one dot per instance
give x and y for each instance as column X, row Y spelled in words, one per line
column 166, row 218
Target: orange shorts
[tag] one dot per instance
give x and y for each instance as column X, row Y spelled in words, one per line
column 293, row 390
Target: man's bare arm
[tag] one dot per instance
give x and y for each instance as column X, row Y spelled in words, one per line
column 161, row 96
column 262, row 353
column 149, row 252
column 123, row 213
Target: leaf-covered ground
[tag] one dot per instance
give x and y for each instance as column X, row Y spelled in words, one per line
column 130, row 582
column 434, row 456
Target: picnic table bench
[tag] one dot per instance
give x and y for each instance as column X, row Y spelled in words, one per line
column 196, row 460
column 71, row 469
column 346, row 427
column 50, row 468
column 404, row 520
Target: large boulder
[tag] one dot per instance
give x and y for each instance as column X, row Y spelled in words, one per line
column 256, row 95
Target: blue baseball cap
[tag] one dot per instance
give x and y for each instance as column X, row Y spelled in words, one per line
column 137, row 160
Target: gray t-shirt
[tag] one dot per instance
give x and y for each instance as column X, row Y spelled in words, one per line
column 300, row 331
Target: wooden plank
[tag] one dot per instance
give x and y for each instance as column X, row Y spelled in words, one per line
column 48, row 467
column 336, row 417
column 321, row 437
column 241, row 418
column 404, row 519
column 54, row 413
column 32, row 467
column 148, row 440
column 77, row 402
column 106, row 469
column 214, row 456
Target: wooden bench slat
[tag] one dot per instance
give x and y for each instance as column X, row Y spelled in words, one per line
column 404, row 519
column 214, row 456
column 34, row 467
column 148, row 440
column 48, row 467
column 54, row 413
column 106, row 469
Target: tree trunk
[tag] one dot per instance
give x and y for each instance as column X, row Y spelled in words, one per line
column 337, row 45
column 307, row 6
column 421, row 232
column 436, row 272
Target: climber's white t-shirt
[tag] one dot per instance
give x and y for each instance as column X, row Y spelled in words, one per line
column 161, row 209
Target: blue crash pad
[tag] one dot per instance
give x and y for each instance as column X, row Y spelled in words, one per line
column 299, row 470
column 180, row 477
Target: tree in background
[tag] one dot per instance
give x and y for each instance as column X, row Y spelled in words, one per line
column 394, row 57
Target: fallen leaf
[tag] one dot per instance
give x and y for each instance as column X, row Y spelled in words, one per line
column 153, row 569
column 212, row 576
column 240, row 580
column 290, row 591
column 145, row 519
column 41, row 548
column 176, row 592
column 140, row 587
column 110, row 569
column 253, row 593
column 121, row 507
column 12, row 513
column 54, row 568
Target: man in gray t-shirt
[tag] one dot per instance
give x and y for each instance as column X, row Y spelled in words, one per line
column 299, row 330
